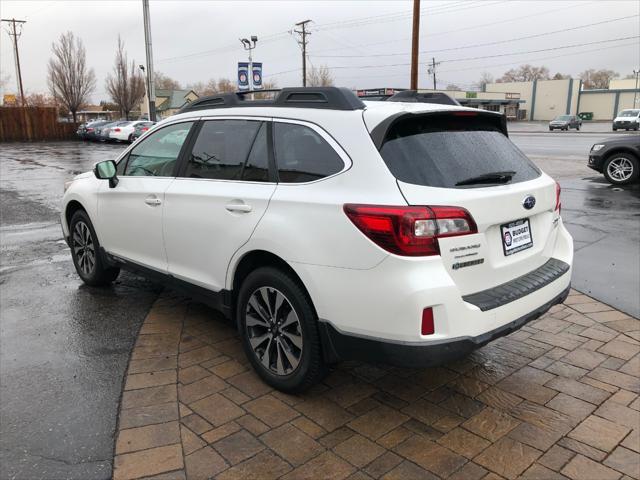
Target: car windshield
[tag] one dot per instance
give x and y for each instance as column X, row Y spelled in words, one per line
column 563, row 118
column 629, row 113
column 453, row 151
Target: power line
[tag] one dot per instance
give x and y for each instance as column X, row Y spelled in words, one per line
column 359, row 22
column 465, row 29
column 494, row 56
column 393, row 75
column 266, row 39
column 476, row 45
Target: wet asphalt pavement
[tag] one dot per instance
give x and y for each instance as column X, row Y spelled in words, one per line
column 64, row 347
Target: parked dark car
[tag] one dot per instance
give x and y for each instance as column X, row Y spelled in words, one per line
column 102, row 133
column 140, row 129
column 89, row 130
column 565, row 122
column 618, row 159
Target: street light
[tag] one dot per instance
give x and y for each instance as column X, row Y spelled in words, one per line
column 250, row 45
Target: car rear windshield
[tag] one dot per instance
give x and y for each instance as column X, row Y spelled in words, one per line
column 439, row 150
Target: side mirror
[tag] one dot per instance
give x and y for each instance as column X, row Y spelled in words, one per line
column 106, row 171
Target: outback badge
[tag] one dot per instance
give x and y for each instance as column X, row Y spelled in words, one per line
column 529, row 202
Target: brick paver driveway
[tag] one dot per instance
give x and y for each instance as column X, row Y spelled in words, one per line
column 557, row 399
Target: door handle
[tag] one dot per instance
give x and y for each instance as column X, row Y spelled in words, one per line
column 238, row 207
column 153, row 201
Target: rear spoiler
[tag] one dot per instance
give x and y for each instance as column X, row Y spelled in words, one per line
column 379, row 133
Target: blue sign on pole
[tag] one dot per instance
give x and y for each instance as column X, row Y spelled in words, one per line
column 256, row 75
column 243, row 76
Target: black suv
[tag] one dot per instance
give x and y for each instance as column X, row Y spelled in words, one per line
column 617, row 158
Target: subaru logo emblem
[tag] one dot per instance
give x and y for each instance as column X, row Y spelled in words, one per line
column 529, row 202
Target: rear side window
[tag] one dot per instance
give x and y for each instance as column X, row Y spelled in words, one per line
column 230, row 150
column 302, row 155
column 443, row 150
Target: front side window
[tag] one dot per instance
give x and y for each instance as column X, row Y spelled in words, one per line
column 157, row 155
column 302, row 155
column 230, row 150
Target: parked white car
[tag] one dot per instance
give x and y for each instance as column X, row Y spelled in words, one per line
column 627, row 120
column 124, row 132
column 330, row 229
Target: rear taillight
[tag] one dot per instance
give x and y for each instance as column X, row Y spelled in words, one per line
column 145, row 129
column 558, row 204
column 410, row 231
column 427, row 327
column 116, row 129
column 89, row 129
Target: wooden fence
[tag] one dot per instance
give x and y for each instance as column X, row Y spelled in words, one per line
column 33, row 124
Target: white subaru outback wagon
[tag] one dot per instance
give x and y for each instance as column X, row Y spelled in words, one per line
column 328, row 229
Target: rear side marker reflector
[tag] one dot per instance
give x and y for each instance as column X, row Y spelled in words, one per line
column 558, row 203
column 408, row 230
column 428, row 327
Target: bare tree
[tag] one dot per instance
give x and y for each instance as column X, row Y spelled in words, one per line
column 453, row 87
column 561, row 76
column 525, row 73
column 319, row 77
column 40, row 100
column 225, row 86
column 126, row 86
column 70, row 81
column 165, row 82
column 592, row 79
column 485, row 79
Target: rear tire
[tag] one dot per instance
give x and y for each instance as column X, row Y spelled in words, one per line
column 85, row 251
column 621, row 169
column 279, row 330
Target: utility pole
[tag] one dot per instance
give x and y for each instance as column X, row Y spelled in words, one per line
column 635, row 92
column 13, row 32
column 415, row 44
column 151, row 88
column 432, row 70
column 303, row 42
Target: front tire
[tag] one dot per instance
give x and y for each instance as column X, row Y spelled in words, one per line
column 85, row 251
column 621, row 169
column 279, row 330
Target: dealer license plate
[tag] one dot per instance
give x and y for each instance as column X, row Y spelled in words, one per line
column 516, row 236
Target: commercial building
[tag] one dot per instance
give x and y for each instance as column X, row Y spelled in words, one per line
column 546, row 99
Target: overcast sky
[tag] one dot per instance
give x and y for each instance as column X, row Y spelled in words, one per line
column 365, row 44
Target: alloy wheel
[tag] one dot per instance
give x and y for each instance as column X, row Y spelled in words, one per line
column 84, row 248
column 620, row 169
column 274, row 331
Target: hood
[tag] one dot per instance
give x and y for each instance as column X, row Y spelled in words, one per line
column 625, row 140
column 83, row 175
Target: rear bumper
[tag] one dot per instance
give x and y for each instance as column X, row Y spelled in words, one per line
column 340, row 346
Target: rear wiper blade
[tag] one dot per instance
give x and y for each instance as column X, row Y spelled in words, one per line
column 493, row 177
